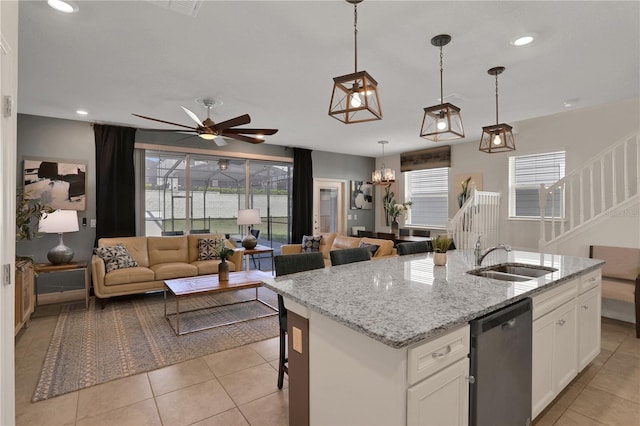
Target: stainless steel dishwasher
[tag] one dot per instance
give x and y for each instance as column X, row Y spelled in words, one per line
column 500, row 388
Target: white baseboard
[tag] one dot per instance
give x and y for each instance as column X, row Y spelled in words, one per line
column 619, row 310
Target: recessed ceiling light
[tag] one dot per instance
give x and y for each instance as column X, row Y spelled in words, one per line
column 63, row 6
column 81, row 112
column 523, row 40
column 570, row 102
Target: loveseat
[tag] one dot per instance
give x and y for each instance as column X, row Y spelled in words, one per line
column 335, row 241
column 153, row 260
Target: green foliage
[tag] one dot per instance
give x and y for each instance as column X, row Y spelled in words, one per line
column 28, row 214
column 223, row 251
column 441, row 244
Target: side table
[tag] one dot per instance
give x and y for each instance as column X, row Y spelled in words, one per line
column 46, row 268
column 256, row 250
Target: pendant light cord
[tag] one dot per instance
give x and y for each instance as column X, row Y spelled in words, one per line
column 497, row 121
column 355, row 35
column 441, row 89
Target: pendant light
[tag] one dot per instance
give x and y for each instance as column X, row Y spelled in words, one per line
column 355, row 96
column 442, row 122
column 499, row 137
column 384, row 175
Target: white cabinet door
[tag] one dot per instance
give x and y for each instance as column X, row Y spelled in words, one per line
column 589, row 308
column 442, row 399
column 565, row 351
column 543, row 337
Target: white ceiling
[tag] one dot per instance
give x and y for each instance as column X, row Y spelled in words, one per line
column 275, row 60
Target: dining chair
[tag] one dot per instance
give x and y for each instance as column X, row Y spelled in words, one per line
column 387, row 236
column 255, row 233
column 364, row 233
column 290, row 264
column 413, row 247
column 350, row 255
column 405, row 232
column 421, row 232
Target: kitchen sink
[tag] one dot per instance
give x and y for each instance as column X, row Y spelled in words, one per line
column 512, row 271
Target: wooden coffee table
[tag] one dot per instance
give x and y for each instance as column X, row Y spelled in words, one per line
column 209, row 284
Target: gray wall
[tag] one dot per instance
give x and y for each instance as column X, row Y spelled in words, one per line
column 329, row 165
column 62, row 140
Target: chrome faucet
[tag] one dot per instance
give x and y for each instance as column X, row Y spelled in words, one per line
column 480, row 255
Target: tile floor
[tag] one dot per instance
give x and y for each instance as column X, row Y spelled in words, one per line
column 238, row 387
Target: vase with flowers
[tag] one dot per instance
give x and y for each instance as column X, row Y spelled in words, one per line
column 395, row 212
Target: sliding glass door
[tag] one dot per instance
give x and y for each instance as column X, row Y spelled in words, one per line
column 189, row 193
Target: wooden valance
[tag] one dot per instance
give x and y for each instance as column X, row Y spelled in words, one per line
column 431, row 158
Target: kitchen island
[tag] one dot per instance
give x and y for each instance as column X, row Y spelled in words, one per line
column 374, row 334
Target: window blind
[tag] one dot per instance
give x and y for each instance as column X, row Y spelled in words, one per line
column 526, row 174
column 428, row 191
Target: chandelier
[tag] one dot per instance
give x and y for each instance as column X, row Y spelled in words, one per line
column 384, row 175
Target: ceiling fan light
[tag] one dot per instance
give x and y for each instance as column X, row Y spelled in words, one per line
column 441, row 123
column 207, row 136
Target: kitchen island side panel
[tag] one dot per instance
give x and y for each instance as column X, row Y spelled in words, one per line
column 367, row 384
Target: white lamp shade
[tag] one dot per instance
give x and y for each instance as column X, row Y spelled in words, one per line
column 249, row 217
column 59, row 221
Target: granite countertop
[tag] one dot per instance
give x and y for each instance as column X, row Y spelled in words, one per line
column 402, row 300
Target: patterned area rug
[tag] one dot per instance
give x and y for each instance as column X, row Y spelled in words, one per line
column 131, row 336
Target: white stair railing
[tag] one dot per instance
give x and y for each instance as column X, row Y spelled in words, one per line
column 604, row 183
column 479, row 216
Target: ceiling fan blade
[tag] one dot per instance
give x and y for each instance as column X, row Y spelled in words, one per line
column 165, row 122
column 242, row 138
column 237, row 121
column 219, row 141
column 170, row 130
column 253, row 131
column 193, row 116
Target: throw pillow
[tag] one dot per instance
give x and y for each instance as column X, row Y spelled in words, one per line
column 116, row 257
column 208, row 248
column 311, row 243
column 373, row 248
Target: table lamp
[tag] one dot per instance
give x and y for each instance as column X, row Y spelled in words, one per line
column 58, row 222
column 249, row 217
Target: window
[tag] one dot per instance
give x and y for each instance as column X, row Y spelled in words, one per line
column 526, row 174
column 194, row 193
column 429, row 191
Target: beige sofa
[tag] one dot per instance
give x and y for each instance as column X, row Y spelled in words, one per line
column 335, row 241
column 159, row 259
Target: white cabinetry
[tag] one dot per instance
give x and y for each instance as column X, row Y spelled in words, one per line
column 438, row 372
column 589, row 312
column 566, row 336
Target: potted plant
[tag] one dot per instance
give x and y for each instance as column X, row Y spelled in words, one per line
column 223, row 252
column 440, row 246
column 28, row 214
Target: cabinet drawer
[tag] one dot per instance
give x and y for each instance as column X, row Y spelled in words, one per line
column 431, row 357
column 590, row 280
column 549, row 300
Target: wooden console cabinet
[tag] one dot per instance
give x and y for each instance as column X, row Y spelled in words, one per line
column 24, row 294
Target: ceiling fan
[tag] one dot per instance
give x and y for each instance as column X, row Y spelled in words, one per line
column 209, row 130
